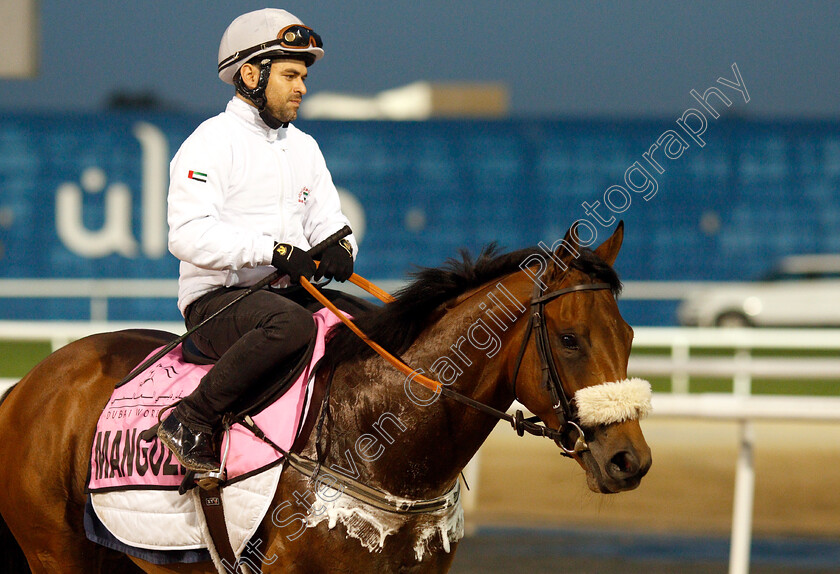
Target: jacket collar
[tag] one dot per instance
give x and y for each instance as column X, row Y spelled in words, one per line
column 250, row 117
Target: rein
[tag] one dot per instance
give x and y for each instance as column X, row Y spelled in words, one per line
column 551, row 377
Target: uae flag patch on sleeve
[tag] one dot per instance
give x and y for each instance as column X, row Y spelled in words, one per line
column 197, row 175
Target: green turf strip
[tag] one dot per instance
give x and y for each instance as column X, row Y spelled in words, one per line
column 18, row 358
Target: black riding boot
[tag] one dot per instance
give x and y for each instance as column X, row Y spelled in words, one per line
column 194, row 450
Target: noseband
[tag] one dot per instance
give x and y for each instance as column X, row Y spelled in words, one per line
column 550, row 379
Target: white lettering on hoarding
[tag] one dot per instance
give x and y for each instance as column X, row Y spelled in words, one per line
column 116, row 235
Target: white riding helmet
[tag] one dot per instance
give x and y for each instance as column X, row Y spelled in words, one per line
column 269, row 32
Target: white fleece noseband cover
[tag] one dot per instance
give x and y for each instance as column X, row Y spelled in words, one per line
column 609, row 403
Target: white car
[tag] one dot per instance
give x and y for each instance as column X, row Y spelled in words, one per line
column 803, row 291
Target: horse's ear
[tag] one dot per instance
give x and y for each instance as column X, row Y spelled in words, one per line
column 565, row 251
column 608, row 250
column 569, row 247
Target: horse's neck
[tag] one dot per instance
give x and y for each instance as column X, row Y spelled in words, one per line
column 394, row 434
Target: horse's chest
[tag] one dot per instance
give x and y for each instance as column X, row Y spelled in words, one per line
column 412, row 538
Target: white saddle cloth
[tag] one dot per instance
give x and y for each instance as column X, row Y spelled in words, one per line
column 166, row 520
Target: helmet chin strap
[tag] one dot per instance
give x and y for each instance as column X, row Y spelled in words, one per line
column 271, row 121
column 257, row 95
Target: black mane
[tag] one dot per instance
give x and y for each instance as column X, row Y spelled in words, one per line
column 396, row 325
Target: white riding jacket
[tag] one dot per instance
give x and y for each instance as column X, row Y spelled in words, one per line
column 237, row 187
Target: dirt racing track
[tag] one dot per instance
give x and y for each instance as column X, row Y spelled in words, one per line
column 536, row 514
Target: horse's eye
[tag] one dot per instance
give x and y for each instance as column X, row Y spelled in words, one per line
column 569, row 341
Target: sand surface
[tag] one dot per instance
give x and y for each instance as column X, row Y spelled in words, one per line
column 689, row 489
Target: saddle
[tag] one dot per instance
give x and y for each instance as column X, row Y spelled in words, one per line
column 192, row 354
column 122, row 463
column 250, row 404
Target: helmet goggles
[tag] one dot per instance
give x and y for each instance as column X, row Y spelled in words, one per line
column 299, row 36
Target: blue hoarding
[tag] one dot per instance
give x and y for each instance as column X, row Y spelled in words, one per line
column 84, row 196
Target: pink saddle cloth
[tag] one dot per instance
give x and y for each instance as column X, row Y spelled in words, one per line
column 121, row 460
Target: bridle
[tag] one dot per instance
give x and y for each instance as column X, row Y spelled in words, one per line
column 561, row 404
column 550, row 378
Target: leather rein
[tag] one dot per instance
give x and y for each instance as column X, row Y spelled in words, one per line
column 550, row 375
column 562, row 406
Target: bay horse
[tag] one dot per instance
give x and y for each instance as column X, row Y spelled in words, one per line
column 468, row 324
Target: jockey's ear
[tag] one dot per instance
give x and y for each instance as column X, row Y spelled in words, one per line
column 608, row 250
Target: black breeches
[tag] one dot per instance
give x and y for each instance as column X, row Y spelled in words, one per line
column 251, row 340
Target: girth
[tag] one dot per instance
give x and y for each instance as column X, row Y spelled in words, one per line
column 358, row 490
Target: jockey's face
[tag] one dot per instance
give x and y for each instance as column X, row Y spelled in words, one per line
column 285, row 89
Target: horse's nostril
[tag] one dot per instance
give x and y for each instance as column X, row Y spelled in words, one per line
column 623, row 464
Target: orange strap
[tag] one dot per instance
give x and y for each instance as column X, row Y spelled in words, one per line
column 371, row 288
column 430, row 384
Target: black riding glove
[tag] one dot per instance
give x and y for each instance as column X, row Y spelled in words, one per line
column 293, row 261
column 336, row 262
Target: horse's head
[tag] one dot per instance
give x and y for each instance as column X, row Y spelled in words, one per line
column 574, row 368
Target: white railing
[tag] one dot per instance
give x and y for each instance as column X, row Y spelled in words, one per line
column 59, row 333
column 677, row 363
column 741, row 405
column 742, row 367
column 100, row 291
column 745, row 410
